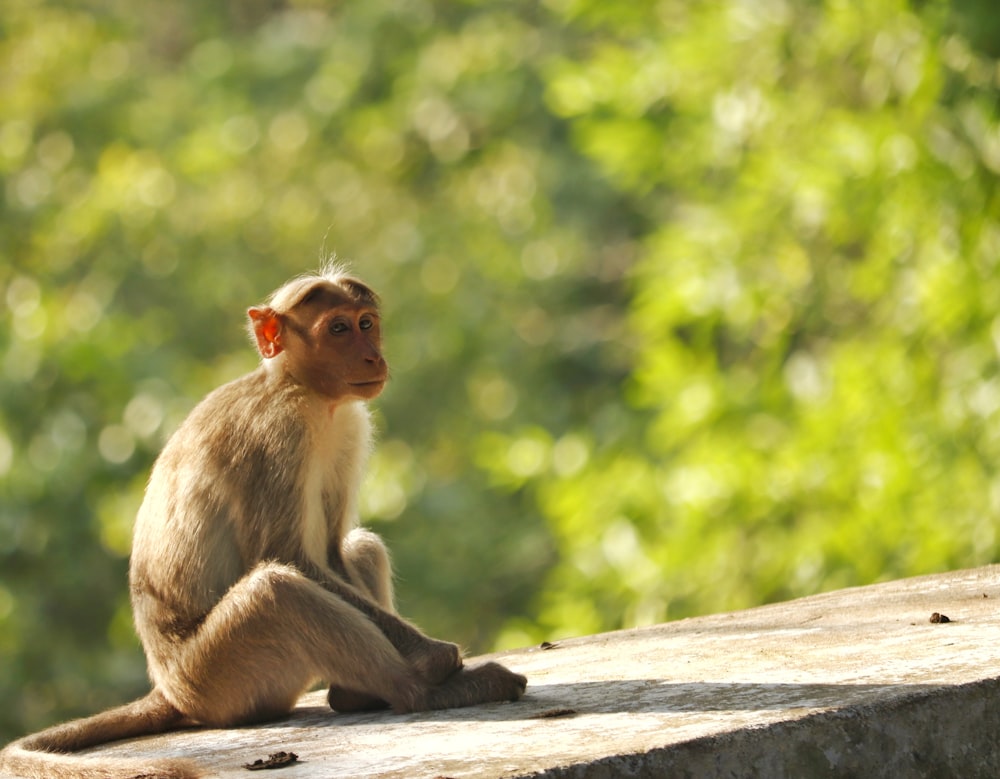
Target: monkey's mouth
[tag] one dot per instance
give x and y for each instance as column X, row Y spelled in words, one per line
column 375, row 383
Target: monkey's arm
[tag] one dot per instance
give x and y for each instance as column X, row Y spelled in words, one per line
column 434, row 660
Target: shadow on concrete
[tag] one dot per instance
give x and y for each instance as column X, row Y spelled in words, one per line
column 631, row 696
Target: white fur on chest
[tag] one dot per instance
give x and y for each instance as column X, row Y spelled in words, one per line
column 332, row 477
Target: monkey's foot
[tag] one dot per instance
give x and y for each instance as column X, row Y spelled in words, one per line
column 435, row 660
column 346, row 701
column 487, row 683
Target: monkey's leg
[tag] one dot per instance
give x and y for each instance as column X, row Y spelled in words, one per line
column 271, row 635
column 365, row 574
column 366, row 560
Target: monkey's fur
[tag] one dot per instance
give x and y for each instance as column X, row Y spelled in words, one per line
column 250, row 579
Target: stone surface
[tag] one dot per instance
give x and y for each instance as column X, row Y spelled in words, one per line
column 857, row 682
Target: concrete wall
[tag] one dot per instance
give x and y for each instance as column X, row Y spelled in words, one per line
column 857, row 682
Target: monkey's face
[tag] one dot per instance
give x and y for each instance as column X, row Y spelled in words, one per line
column 345, row 359
column 334, row 347
column 356, row 342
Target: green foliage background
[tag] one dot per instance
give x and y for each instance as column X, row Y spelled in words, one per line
column 690, row 305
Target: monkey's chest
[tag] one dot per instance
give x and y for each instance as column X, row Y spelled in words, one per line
column 330, row 481
column 328, row 506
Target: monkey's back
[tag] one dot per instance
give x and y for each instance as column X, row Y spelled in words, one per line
column 214, row 503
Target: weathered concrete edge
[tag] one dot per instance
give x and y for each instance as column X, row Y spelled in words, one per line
column 855, row 682
column 948, row 731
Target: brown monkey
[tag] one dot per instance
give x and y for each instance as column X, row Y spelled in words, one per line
column 249, row 577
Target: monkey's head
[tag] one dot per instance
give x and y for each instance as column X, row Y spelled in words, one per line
column 323, row 331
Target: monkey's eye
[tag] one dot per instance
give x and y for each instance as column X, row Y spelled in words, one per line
column 367, row 323
column 339, row 326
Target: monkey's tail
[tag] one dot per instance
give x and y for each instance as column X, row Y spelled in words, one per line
column 44, row 754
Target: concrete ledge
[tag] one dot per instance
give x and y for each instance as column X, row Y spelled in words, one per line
column 857, row 682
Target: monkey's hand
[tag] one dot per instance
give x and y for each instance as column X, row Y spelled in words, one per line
column 434, row 660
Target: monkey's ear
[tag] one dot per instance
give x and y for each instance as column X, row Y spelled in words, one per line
column 266, row 325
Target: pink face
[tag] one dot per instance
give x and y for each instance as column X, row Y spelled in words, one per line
column 332, row 343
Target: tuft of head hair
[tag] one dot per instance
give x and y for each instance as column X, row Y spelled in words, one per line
column 294, row 292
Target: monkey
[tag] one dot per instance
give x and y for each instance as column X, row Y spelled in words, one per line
column 250, row 577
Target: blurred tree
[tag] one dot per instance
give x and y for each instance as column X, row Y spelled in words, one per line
column 816, row 390
column 689, row 305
